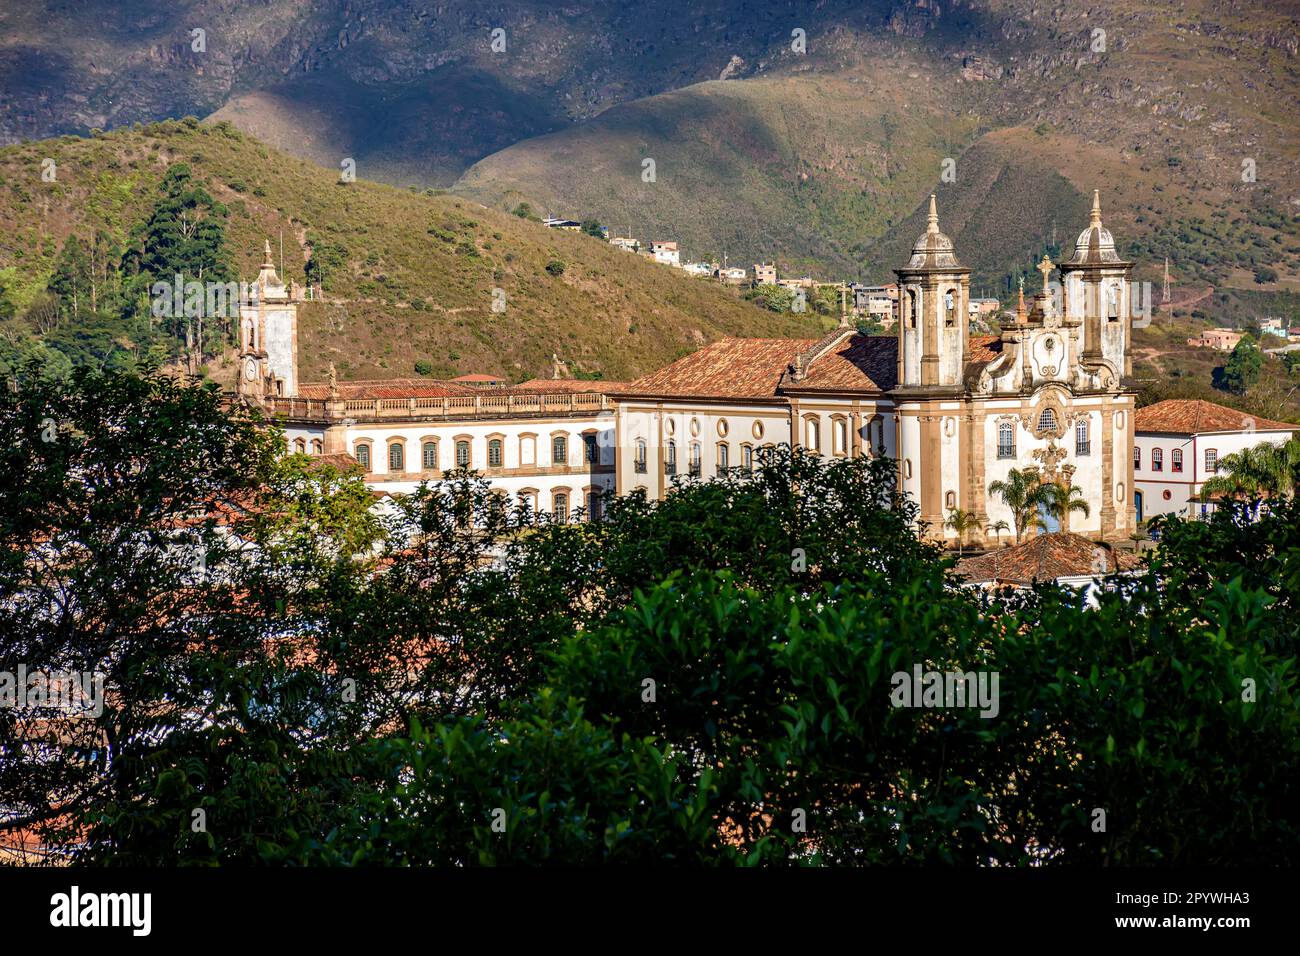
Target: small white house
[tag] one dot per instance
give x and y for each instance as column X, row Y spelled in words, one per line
column 1177, row 447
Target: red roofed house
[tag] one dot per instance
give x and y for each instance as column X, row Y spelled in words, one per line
column 957, row 411
column 1178, row 445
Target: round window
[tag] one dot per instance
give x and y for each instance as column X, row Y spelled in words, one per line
column 758, row 429
column 695, row 426
column 1168, row 494
column 722, row 426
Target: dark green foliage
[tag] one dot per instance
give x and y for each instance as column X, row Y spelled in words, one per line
column 1242, row 369
column 708, row 679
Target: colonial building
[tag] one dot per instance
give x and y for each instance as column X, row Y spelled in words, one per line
column 545, row 442
column 1178, row 446
column 956, row 411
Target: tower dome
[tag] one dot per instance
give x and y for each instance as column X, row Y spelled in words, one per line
column 1095, row 244
column 933, row 250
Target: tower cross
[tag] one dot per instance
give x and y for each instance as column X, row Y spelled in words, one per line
column 1045, row 267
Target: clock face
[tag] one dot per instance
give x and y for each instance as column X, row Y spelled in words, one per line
column 250, row 370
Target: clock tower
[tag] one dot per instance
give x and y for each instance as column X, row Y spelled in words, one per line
column 268, row 338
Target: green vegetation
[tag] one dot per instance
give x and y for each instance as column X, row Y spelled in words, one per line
column 403, row 276
column 709, row 679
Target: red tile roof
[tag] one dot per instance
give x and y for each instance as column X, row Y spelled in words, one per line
column 566, row 385
column 1046, row 557
column 388, row 388
column 754, row 368
column 727, row 368
column 860, row 362
column 478, row 379
column 1186, row 416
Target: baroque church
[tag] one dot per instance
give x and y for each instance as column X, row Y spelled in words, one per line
column 957, row 411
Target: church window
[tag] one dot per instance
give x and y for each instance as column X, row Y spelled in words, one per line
column 1137, row 458
column 590, row 450
column 593, row 506
column 695, row 459
column 950, row 500
column 639, row 457
column 363, row 456
column 670, row 462
column 1006, row 440
column 724, row 457
column 911, row 309
column 814, row 438
column 1112, row 303
column 462, row 454
column 841, row 437
column 747, row 458
column 1081, row 444
column 395, row 457
column 430, row 455
column 559, row 450
column 495, row 454
column 300, row 446
column 1212, row 461
column 1176, row 459
column 561, row 508
column 316, row 447
column 949, row 310
column 1157, row 459
column 1047, row 420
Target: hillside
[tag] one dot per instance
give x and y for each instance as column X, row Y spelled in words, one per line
column 415, row 272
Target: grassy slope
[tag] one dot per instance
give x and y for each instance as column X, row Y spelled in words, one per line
column 805, row 168
column 609, row 313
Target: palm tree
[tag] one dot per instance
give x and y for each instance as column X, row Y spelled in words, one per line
column 962, row 522
column 1261, row 471
column 1020, row 494
column 999, row 528
column 1061, row 500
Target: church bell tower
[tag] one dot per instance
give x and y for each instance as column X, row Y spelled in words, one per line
column 268, row 338
column 933, row 306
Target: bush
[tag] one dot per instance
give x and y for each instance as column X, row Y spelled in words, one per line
column 555, row 267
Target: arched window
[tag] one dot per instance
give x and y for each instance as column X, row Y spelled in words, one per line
column 639, row 457
column 949, row 309
column 841, row 437
column 1047, row 420
column 1176, row 459
column 300, row 446
column 1081, row 444
column 593, row 506
column 670, row 461
column 462, row 454
column 1137, row 458
column 590, row 450
column 910, row 317
column 695, row 458
column 1006, row 440
column 724, row 457
column 395, row 457
column 950, row 500
column 429, row 455
column 1157, row 459
column 363, row 457
column 1212, row 460
column 495, row 456
column 747, row 457
column 559, row 450
column 316, row 447
column 561, row 508
column 814, row 437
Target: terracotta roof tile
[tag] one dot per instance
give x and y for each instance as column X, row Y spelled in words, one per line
column 1186, row 416
column 861, row 362
column 566, row 385
column 985, row 348
column 727, row 368
column 1046, row 557
column 388, row 388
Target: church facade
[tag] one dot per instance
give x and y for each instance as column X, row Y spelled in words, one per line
column 957, row 412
